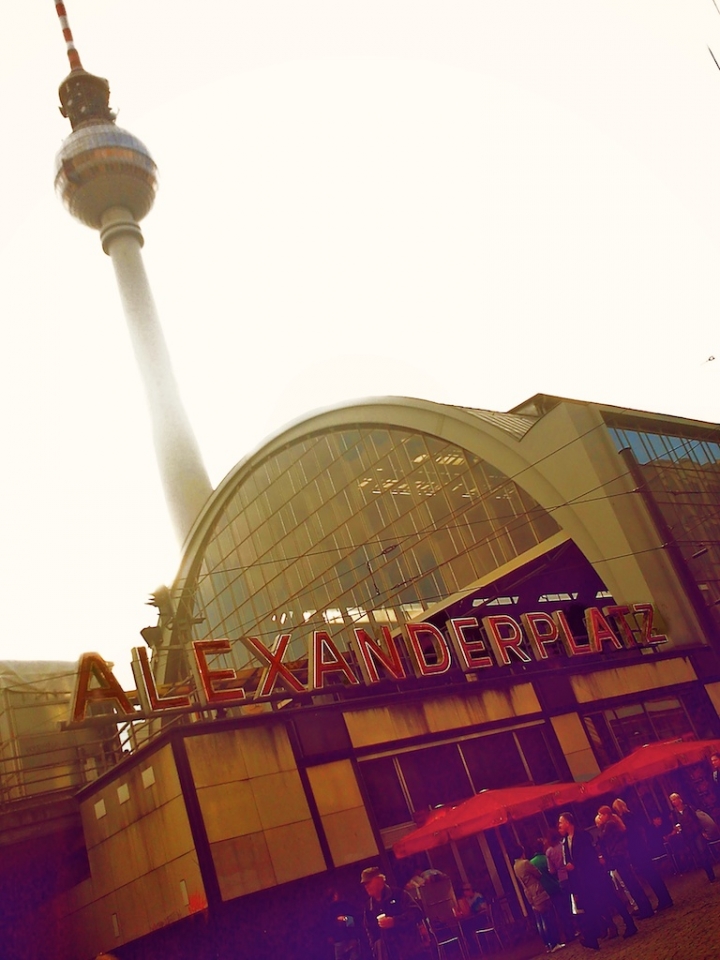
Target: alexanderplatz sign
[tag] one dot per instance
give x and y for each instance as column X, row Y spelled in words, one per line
column 472, row 644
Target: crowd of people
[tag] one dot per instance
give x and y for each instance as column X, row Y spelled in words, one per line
column 575, row 887
column 603, row 881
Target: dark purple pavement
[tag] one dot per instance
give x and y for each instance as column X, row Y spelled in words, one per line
column 688, row 931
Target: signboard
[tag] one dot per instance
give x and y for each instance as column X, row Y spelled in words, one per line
column 471, row 644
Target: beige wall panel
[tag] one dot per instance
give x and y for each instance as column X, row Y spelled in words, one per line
column 570, row 732
column 243, row 865
column 120, row 815
column 576, row 746
column 713, row 690
column 334, row 787
column 85, row 938
column 138, row 855
column 161, row 892
column 635, row 679
column 186, row 868
column 102, row 864
column 385, row 724
column 524, row 699
column 134, row 902
column 217, row 758
column 229, row 810
column 77, row 897
column 117, row 850
column 349, row 836
column 267, row 750
column 167, row 782
column 451, row 713
column 103, row 909
column 176, row 827
column 295, row 851
column 583, row 765
column 280, row 799
column 156, row 842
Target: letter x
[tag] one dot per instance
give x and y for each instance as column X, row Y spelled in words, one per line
column 275, row 669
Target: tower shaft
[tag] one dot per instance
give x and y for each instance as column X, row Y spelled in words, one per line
column 185, row 481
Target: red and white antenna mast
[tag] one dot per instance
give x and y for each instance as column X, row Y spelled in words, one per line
column 73, row 55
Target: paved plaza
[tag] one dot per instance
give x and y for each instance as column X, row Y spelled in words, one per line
column 689, row 931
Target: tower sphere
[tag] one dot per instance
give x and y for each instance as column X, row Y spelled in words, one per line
column 100, row 166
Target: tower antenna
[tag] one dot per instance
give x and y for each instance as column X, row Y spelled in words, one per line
column 73, row 55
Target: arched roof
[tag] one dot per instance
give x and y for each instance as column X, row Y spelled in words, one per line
column 496, row 437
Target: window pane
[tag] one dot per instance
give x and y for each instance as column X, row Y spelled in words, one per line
column 601, row 740
column 384, row 791
column 537, row 755
column 668, row 718
column 703, row 716
column 434, row 776
column 494, row 761
column 631, row 727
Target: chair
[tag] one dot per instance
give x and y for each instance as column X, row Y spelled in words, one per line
column 485, row 929
column 439, row 906
column 714, row 847
column 664, row 861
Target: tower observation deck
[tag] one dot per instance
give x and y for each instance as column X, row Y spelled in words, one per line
column 107, row 179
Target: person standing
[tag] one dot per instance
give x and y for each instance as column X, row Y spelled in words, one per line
column 640, row 856
column 391, row 920
column 715, row 777
column 688, row 827
column 341, row 927
column 539, row 900
column 590, row 887
column 557, row 869
column 614, row 847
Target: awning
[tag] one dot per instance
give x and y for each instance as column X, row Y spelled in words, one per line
column 485, row 810
column 649, row 761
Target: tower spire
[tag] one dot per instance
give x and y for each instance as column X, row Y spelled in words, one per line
column 107, row 180
column 73, row 55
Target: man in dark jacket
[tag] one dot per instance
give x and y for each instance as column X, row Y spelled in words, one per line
column 590, row 887
column 715, row 777
column 688, row 827
column 391, row 920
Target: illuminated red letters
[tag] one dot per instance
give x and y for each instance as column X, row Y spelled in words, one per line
column 92, row 667
column 147, row 689
column 324, row 658
column 505, row 636
column 427, row 648
column 440, row 648
column 208, row 678
column 541, row 630
column 275, row 669
column 472, row 654
column 599, row 631
column 370, row 655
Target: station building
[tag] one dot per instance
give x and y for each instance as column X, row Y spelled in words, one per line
column 389, row 606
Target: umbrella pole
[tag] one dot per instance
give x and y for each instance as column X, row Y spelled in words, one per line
column 516, row 885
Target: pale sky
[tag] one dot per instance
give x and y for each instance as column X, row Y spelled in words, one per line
column 469, row 201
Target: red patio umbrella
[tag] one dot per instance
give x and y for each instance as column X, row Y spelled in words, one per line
column 485, row 810
column 649, row 761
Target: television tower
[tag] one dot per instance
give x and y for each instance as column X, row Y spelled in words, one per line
column 107, row 180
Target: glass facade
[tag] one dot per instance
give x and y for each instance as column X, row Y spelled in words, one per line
column 354, row 527
column 417, row 780
column 682, row 475
column 617, row 732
